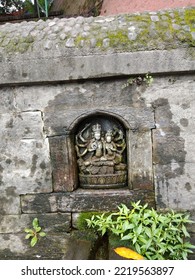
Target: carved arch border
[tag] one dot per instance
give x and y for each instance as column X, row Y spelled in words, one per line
column 63, row 155
column 107, row 114
column 138, row 134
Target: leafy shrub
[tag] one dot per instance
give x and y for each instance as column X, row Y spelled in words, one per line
column 156, row 236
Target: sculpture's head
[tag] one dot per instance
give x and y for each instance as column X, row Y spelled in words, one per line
column 96, row 129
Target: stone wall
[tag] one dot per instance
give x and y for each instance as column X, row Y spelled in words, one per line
column 56, row 73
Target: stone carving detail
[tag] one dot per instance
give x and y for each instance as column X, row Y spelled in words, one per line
column 100, row 156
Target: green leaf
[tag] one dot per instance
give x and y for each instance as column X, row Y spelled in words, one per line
column 170, row 248
column 35, row 223
column 42, row 234
column 33, row 241
column 148, row 232
column 184, row 255
column 28, row 230
column 134, row 239
column 126, row 225
column 179, row 239
column 139, row 229
column 127, row 237
column 188, row 245
column 103, row 231
column 185, row 231
column 146, row 215
column 29, row 235
column 38, row 229
column 143, row 239
column 137, row 248
column 149, row 255
column 148, row 244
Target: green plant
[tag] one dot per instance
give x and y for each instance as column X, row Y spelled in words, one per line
column 147, row 79
column 155, row 236
column 35, row 233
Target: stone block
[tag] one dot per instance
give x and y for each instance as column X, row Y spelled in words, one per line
column 174, row 186
column 50, row 222
column 84, row 200
column 141, row 166
column 63, row 160
column 9, row 201
column 35, row 98
column 168, row 147
column 24, row 158
column 52, row 247
column 7, row 100
column 24, row 125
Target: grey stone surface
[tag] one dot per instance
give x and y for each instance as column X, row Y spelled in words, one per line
column 174, row 185
column 52, row 222
column 64, row 121
column 83, row 200
column 24, row 156
column 52, row 247
column 172, row 98
column 94, row 66
column 141, row 162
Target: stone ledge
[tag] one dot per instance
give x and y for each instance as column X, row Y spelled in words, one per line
column 81, row 48
column 84, row 200
column 23, row 70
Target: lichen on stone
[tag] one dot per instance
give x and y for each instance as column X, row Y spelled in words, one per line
column 168, row 29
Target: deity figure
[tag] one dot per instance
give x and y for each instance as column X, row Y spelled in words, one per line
column 100, row 152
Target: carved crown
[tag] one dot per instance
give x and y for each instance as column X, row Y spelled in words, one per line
column 109, row 132
column 96, row 127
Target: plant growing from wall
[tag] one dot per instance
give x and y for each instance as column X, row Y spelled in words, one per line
column 35, row 233
column 147, row 79
column 153, row 235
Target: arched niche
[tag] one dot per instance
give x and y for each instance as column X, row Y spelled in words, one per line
column 64, row 157
column 101, row 151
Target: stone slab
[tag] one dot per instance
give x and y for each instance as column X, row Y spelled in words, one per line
column 83, row 200
column 133, row 63
column 66, row 119
column 52, row 247
column 64, row 164
column 141, row 164
column 50, row 222
column 24, row 158
column 174, row 186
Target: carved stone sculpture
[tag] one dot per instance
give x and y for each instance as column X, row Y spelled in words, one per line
column 100, row 156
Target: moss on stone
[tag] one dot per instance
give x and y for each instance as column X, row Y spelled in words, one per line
column 117, row 38
column 161, row 30
column 78, row 40
column 19, row 44
column 189, row 16
column 191, row 53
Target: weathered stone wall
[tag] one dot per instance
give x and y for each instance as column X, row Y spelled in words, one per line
column 58, row 72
